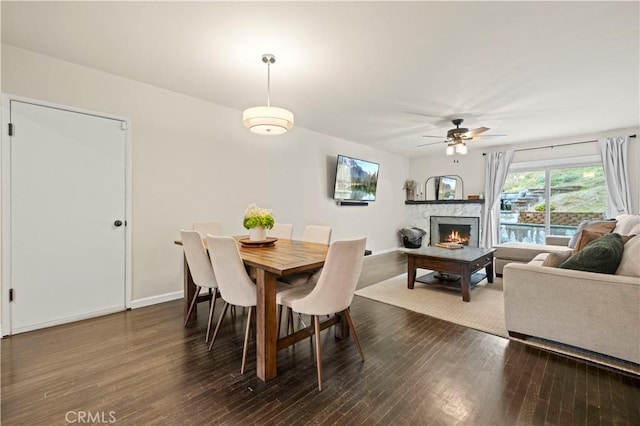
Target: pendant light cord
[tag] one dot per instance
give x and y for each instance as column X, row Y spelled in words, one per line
column 268, row 83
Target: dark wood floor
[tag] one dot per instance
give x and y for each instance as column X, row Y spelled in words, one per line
column 142, row 367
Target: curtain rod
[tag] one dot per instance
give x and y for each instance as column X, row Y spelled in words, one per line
column 554, row 146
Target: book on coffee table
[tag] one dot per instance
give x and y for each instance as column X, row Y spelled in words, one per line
column 450, row 246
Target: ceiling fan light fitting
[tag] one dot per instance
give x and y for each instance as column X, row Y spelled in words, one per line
column 461, row 148
column 451, row 149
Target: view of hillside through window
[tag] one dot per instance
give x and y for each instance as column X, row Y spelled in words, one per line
column 576, row 194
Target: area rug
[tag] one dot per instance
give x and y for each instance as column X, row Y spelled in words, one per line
column 485, row 312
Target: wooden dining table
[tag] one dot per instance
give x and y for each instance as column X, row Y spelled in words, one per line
column 266, row 265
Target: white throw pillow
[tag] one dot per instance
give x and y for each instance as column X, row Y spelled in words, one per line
column 627, row 224
column 630, row 263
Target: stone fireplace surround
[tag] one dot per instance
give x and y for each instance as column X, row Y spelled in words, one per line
column 472, row 222
column 418, row 213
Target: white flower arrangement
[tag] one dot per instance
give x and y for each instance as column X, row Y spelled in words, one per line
column 255, row 216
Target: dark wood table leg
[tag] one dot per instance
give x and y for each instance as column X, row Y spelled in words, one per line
column 189, row 291
column 411, row 272
column 266, row 324
column 465, row 283
column 341, row 330
column 489, row 270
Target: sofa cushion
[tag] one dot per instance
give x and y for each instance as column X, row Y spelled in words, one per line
column 556, row 258
column 630, row 263
column 627, row 224
column 602, row 255
column 585, row 238
column 603, row 226
column 524, row 252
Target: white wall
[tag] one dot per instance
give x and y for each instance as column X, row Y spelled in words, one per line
column 471, row 167
column 193, row 162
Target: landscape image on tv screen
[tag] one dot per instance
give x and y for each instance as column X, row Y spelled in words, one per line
column 355, row 179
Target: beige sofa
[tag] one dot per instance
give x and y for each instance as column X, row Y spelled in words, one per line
column 524, row 252
column 597, row 312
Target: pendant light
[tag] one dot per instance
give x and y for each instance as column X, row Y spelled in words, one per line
column 268, row 120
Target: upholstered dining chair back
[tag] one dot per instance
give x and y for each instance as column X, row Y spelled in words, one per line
column 197, row 258
column 234, row 284
column 337, row 283
column 317, row 234
column 281, row 230
column 204, row 228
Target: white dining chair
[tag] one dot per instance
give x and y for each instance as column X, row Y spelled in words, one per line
column 204, row 228
column 332, row 294
column 313, row 234
column 201, row 272
column 317, row 234
column 234, row 284
column 281, row 230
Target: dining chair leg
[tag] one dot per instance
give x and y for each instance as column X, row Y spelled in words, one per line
column 212, row 308
column 215, row 332
column 246, row 340
column 316, row 323
column 354, row 332
column 290, row 321
column 279, row 319
column 193, row 302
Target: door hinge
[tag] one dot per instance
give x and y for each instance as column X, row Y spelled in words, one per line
column 10, row 295
column 124, row 125
column 10, row 129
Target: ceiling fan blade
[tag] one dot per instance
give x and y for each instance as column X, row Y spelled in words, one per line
column 474, row 132
column 431, row 143
column 489, row 136
column 431, row 136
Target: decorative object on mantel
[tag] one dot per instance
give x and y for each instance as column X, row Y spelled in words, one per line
column 268, row 120
column 410, row 188
column 473, row 197
column 257, row 221
column 446, row 188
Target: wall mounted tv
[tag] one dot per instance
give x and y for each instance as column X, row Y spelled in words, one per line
column 356, row 180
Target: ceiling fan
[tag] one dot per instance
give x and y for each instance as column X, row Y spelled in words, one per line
column 459, row 135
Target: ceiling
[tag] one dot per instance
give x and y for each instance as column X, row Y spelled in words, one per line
column 377, row 73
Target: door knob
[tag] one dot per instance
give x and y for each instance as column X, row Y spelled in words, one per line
column 118, row 223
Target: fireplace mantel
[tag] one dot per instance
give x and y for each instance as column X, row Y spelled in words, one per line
column 444, row 202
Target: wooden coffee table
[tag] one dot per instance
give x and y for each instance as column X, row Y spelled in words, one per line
column 463, row 262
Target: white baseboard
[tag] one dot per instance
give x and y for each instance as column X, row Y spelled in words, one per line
column 154, row 300
column 387, row 250
column 66, row 320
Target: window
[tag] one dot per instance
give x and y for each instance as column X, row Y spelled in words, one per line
column 551, row 200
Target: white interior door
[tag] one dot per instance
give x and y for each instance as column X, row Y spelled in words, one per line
column 68, row 189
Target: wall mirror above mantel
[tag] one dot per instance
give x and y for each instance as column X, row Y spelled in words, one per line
column 444, row 188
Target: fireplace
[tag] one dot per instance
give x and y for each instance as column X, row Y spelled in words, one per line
column 455, row 229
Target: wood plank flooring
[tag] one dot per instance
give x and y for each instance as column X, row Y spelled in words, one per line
column 143, row 367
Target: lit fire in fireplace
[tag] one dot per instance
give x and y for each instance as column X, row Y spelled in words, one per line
column 455, row 237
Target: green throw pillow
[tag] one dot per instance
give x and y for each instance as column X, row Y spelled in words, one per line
column 601, row 255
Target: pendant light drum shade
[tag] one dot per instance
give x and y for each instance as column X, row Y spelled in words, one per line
column 267, row 120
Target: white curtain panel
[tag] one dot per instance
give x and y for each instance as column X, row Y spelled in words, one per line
column 496, row 169
column 614, row 152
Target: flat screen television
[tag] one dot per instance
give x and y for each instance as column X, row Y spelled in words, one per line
column 447, row 188
column 356, row 180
